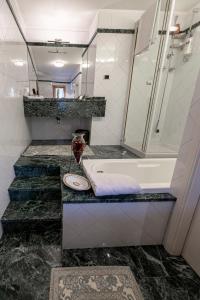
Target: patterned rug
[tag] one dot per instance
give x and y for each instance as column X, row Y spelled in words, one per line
column 94, row 283
column 58, row 150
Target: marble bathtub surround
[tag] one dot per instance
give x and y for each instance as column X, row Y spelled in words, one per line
column 70, row 196
column 54, row 150
column 71, row 108
column 26, row 258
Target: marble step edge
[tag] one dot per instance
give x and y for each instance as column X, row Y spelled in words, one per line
column 36, row 183
column 37, row 166
column 31, row 238
column 37, row 215
column 36, row 171
column 35, row 188
column 31, row 225
column 33, row 210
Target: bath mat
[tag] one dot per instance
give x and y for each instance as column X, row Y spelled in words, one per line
column 58, row 150
column 94, row 283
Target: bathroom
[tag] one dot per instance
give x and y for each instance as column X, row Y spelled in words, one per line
column 117, row 218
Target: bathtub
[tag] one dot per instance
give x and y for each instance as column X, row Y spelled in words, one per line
column 153, row 175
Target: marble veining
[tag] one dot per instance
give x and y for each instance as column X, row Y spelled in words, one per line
column 53, row 150
column 33, row 210
column 150, row 266
column 38, row 183
column 26, row 188
column 28, row 255
column 71, row 108
column 26, row 260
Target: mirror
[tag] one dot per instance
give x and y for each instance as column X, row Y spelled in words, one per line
column 58, row 71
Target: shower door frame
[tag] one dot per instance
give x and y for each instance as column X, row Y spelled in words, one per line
column 169, row 10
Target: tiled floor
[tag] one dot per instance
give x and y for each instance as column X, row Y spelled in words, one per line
column 160, row 276
column 25, row 265
column 26, row 258
column 26, row 261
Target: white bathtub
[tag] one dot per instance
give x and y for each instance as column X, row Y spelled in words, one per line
column 153, row 175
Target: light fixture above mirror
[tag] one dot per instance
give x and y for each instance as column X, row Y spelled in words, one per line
column 59, row 63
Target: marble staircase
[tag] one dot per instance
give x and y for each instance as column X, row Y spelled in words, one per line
column 35, row 196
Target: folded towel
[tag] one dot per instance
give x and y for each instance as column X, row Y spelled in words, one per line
column 113, row 184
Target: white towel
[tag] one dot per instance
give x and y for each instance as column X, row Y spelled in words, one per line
column 113, row 184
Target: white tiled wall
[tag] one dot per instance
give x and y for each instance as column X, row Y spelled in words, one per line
column 118, row 19
column 91, row 55
column 50, row 129
column 84, row 74
column 14, row 131
column 185, row 181
column 110, row 54
column 45, row 89
column 113, row 58
column 114, row 224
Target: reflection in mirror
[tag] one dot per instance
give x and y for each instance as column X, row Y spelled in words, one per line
column 59, row 71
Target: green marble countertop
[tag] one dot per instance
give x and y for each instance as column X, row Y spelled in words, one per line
column 65, row 99
column 65, row 107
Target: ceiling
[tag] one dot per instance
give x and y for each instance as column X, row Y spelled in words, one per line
column 74, row 15
column 44, row 62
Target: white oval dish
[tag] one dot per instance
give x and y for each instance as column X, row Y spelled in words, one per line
column 76, row 182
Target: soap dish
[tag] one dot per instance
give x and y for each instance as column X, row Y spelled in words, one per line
column 76, row 182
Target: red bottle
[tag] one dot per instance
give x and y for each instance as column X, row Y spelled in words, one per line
column 78, row 146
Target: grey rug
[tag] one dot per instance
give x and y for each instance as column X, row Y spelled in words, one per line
column 58, row 150
column 94, row 283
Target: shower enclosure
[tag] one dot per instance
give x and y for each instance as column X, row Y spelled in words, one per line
column 163, row 81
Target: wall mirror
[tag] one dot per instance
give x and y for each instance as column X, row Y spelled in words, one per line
column 58, row 70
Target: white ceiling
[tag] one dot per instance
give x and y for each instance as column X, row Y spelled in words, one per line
column 76, row 15
column 44, row 62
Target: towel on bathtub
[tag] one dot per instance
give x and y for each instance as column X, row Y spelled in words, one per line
column 113, row 184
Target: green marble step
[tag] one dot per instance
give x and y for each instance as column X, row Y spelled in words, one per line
column 32, row 215
column 35, row 188
column 39, row 166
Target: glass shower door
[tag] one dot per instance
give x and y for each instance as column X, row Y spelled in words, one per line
column 140, row 94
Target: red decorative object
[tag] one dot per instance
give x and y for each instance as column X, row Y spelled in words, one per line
column 78, row 146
